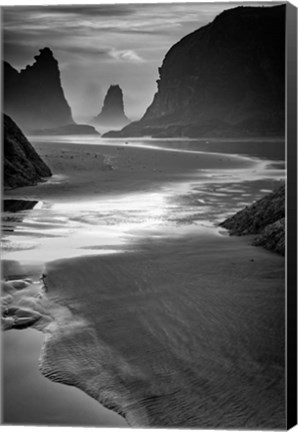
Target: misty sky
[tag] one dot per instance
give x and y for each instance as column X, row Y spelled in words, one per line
column 99, row 45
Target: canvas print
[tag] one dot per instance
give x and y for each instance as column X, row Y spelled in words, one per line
column 143, row 215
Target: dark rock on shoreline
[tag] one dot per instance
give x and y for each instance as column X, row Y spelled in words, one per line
column 71, row 129
column 112, row 113
column 16, row 205
column 226, row 79
column 273, row 237
column 22, row 165
column 265, row 217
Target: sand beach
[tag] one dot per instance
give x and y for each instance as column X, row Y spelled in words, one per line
column 144, row 302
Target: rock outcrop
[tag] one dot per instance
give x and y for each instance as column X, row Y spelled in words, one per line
column 266, row 218
column 34, row 97
column 17, row 205
column 112, row 113
column 273, row 237
column 72, row 129
column 225, row 79
column 22, row 166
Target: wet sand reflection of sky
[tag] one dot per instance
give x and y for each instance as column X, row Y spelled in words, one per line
column 115, row 223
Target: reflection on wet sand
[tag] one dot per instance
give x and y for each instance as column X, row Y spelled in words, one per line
column 49, row 401
column 123, row 260
column 111, row 223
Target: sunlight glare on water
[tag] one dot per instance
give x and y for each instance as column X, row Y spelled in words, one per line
column 92, row 227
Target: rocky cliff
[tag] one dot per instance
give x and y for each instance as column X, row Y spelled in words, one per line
column 225, row 79
column 266, row 218
column 112, row 113
column 22, row 166
column 34, row 97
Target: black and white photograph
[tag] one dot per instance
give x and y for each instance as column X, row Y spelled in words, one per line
column 147, row 152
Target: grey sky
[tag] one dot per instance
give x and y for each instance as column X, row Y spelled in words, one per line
column 99, row 45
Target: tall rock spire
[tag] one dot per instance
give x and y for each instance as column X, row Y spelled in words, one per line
column 112, row 113
column 34, row 96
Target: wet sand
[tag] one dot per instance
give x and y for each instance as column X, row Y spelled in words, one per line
column 179, row 334
column 48, row 401
column 181, row 325
column 87, row 169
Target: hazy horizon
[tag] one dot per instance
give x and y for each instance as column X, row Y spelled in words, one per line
column 100, row 45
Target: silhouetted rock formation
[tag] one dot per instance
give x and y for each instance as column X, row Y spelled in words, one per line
column 265, row 217
column 34, row 96
column 273, row 237
column 112, row 113
column 18, row 208
column 16, row 205
column 22, row 165
column 225, row 79
column 72, row 129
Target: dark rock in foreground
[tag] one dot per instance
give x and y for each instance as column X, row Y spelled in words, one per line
column 265, row 217
column 71, row 129
column 226, row 79
column 254, row 218
column 15, row 205
column 112, row 113
column 22, row 165
column 273, row 237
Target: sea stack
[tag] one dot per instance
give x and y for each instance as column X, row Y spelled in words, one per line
column 112, row 113
column 34, row 97
column 226, row 79
column 22, row 165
